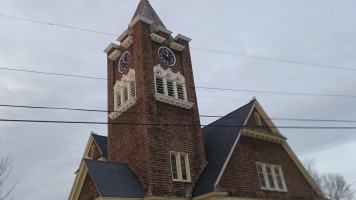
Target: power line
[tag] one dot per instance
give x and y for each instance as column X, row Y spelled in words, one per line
column 54, row 24
column 176, row 125
column 272, row 59
column 197, row 87
column 194, row 48
column 146, row 113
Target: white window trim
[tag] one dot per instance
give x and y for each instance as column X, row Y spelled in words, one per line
column 263, row 165
column 179, row 169
column 176, row 78
column 125, row 82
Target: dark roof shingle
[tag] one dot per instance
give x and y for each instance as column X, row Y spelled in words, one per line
column 102, row 143
column 114, row 179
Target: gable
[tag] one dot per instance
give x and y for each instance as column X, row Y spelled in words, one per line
column 240, row 177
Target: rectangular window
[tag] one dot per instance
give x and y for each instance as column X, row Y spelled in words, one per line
column 180, row 167
column 270, row 177
column 170, row 89
column 132, row 89
column 159, row 85
column 180, row 92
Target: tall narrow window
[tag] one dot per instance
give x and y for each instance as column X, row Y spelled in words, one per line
column 124, row 94
column 159, row 85
column 270, row 177
column 170, row 88
column 174, row 166
column 180, row 92
column 180, row 167
column 261, row 176
column 132, row 89
column 258, row 119
column 118, row 99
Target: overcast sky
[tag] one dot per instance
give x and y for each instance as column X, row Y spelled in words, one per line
column 322, row 32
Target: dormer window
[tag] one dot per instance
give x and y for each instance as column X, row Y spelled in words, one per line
column 124, row 94
column 170, row 88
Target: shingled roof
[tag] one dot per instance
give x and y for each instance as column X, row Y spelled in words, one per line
column 114, row 179
column 102, row 143
column 219, row 138
column 145, row 9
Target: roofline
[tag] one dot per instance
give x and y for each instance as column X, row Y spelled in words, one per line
column 210, row 194
column 78, row 182
column 233, row 147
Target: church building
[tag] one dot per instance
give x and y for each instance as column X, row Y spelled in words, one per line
column 156, row 148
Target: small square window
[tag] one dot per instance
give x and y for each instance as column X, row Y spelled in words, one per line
column 271, row 177
column 180, row 167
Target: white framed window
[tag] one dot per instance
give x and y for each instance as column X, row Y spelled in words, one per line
column 180, row 167
column 271, row 177
column 124, row 94
column 170, row 87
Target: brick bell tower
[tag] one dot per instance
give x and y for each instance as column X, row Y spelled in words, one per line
column 154, row 124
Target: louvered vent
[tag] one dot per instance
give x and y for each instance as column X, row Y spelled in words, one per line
column 159, row 85
column 180, row 92
column 170, row 88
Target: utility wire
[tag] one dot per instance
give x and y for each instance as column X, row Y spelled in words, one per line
column 146, row 113
column 54, row 24
column 176, row 125
column 194, row 48
column 197, row 87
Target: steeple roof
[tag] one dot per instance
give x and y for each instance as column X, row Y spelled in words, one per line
column 145, row 9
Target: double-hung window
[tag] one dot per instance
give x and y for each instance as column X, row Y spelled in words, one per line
column 271, row 177
column 180, row 167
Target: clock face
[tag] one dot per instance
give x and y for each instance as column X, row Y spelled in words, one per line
column 124, row 62
column 167, row 56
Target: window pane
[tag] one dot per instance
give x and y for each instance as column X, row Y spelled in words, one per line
column 170, row 88
column 260, row 176
column 183, row 167
column 270, row 177
column 174, row 167
column 159, row 85
column 278, row 178
column 180, row 92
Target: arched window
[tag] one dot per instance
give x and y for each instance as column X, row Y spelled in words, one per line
column 170, row 87
column 258, row 119
column 124, row 94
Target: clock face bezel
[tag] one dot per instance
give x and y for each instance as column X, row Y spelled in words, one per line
column 127, row 63
column 164, row 60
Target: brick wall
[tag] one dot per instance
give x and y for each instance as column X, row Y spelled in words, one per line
column 89, row 191
column 146, row 148
column 240, row 177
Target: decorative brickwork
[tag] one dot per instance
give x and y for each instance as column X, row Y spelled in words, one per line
column 240, row 177
column 89, row 191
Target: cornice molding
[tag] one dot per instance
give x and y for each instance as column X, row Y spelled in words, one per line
column 127, row 42
column 262, row 136
column 123, row 35
column 176, row 46
column 140, row 18
column 161, row 29
column 211, row 195
column 180, row 36
column 114, row 55
column 157, row 38
column 111, row 45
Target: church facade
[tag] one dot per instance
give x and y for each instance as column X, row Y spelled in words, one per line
column 156, row 148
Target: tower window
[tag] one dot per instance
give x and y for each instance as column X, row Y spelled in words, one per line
column 180, row 167
column 271, row 177
column 124, row 94
column 170, row 88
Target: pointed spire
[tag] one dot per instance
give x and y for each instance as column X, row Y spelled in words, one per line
column 145, row 9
